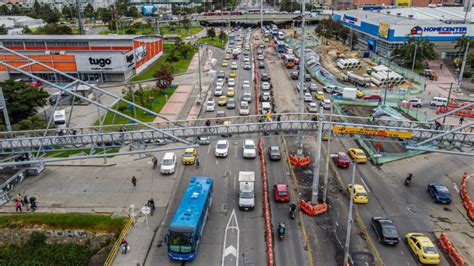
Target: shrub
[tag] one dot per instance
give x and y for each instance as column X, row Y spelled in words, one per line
column 467, row 74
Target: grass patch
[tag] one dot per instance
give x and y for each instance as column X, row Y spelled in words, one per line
column 214, row 41
column 63, row 221
column 158, row 103
column 68, row 153
column 181, row 31
column 179, row 66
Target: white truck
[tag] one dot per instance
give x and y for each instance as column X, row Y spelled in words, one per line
column 247, row 190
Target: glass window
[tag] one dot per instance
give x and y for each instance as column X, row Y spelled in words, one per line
column 180, row 242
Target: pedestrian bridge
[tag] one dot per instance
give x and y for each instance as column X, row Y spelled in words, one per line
column 256, row 18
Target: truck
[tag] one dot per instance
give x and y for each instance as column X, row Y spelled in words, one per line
column 349, row 93
column 246, row 190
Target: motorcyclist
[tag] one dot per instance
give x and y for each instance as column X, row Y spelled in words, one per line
column 293, row 207
column 281, row 228
column 408, row 179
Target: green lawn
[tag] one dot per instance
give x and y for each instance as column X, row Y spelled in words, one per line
column 129, row 30
column 181, row 30
column 180, row 66
column 214, row 41
column 68, row 153
column 158, row 103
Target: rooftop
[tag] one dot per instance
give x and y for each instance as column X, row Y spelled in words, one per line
column 76, row 37
column 414, row 15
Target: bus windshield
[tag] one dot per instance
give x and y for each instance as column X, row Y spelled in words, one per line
column 180, row 242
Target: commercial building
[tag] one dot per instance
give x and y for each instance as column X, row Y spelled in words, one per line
column 350, row 4
column 102, row 58
column 15, row 24
column 384, row 30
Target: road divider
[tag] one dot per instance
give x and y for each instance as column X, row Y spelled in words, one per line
column 302, row 161
column 266, row 204
column 448, row 247
column 466, row 199
column 313, row 210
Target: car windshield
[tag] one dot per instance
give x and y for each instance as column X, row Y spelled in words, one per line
column 360, row 154
column 180, row 242
column 188, row 154
column 429, row 250
column 221, row 146
column 246, row 195
column 249, row 146
column 275, row 149
column 361, row 194
column 442, row 190
column 390, row 231
column 167, row 162
column 210, row 103
column 282, row 193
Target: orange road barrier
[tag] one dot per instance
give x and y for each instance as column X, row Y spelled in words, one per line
column 300, row 162
column 313, row 210
column 266, row 204
column 448, row 247
column 467, row 202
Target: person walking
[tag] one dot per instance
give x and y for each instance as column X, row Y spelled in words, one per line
column 26, row 202
column 197, row 162
column 437, row 125
column 461, row 120
column 155, row 162
column 151, row 205
column 134, row 181
column 124, row 246
column 18, row 205
column 268, row 117
column 33, row 203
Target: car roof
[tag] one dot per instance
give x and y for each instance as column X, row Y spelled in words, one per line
column 356, row 149
column 249, row 141
column 359, row 188
column 222, row 141
column 190, row 150
column 281, row 187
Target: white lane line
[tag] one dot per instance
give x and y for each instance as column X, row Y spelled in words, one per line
column 365, row 184
column 232, row 225
column 455, row 186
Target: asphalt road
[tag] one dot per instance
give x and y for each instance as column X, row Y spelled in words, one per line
column 250, row 247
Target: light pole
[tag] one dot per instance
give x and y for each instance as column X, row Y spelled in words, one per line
column 199, row 67
column 388, row 76
column 414, row 57
column 317, row 159
column 326, row 174
column 349, row 216
column 302, row 70
column 463, row 65
column 261, row 15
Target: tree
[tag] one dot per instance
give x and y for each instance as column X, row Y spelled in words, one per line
column 164, row 77
column 425, row 50
column 3, row 30
column 132, row 11
column 211, row 32
column 53, row 29
column 222, row 36
column 462, row 44
column 89, row 11
column 106, row 15
column 186, row 23
column 26, row 30
column 22, row 101
column 37, row 7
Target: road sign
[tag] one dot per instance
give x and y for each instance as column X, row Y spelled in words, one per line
column 146, row 210
column 372, row 132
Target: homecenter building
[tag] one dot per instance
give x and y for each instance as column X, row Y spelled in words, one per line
column 382, row 31
column 102, row 58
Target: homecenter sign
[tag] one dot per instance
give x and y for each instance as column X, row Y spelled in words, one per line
column 446, row 30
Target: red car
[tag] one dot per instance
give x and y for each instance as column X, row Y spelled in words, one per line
column 341, row 159
column 373, row 97
column 35, row 84
column 281, row 192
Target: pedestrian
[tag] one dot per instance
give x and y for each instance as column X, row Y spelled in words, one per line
column 151, row 204
column 197, row 162
column 370, row 119
column 26, row 202
column 461, row 120
column 18, row 205
column 437, row 125
column 134, row 181
column 124, row 246
column 19, row 197
column 208, row 123
column 440, row 66
column 155, row 162
column 268, row 116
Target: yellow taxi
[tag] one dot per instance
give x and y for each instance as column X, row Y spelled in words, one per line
column 319, row 95
column 325, row 136
column 266, row 40
column 232, row 74
column 359, row 94
column 225, row 63
column 360, row 195
column 227, row 56
column 357, row 155
column 189, row 156
column 423, row 249
column 222, row 100
column 230, row 91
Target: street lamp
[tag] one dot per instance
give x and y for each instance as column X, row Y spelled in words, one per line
column 349, row 216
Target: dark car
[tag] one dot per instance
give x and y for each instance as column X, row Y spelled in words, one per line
column 221, row 74
column 385, row 230
column 341, row 159
column 307, row 77
column 294, row 75
column 265, row 77
column 261, row 64
column 231, row 103
column 373, row 97
column 440, row 193
column 274, row 153
column 204, row 140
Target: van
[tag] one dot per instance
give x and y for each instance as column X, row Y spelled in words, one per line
column 168, row 163
column 439, row 101
column 266, row 106
column 59, row 118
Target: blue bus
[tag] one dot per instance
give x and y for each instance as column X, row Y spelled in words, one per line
column 281, row 46
column 187, row 226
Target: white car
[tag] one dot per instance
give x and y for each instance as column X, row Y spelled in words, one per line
column 313, row 87
column 265, row 85
column 218, row 91
column 222, row 148
column 415, row 102
column 231, row 82
column 168, row 163
column 312, row 108
column 244, row 108
column 246, row 59
column 234, row 66
column 210, row 106
column 308, row 97
column 247, row 67
column 249, row 149
column 260, row 57
column 326, row 104
column 220, row 82
column 246, row 85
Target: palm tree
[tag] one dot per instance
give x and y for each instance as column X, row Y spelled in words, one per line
column 424, row 50
column 461, row 44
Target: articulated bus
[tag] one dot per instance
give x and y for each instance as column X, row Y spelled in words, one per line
column 281, row 46
column 187, row 226
column 288, row 60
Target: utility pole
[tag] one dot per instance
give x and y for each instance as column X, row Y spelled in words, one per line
column 261, row 15
column 302, row 70
column 317, row 159
column 414, row 57
column 326, row 174
column 78, row 7
column 3, row 105
column 199, row 63
column 467, row 9
column 349, row 217
column 449, row 99
column 463, row 64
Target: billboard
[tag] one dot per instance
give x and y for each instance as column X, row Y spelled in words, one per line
column 403, row 3
column 384, row 29
column 443, row 30
column 352, row 20
column 112, row 63
column 149, row 10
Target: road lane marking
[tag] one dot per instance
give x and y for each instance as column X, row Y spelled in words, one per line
column 232, row 232
column 455, row 186
column 365, row 184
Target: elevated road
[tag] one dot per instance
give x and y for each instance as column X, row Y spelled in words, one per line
column 256, row 18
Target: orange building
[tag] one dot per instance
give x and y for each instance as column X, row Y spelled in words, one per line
column 101, row 58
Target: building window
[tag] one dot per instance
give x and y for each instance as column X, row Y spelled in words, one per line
column 13, row 43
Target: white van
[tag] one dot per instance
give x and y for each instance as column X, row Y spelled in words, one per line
column 168, row 163
column 266, row 106
column 439, row 101
column 59, row 118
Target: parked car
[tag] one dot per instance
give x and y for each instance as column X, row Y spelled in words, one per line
column 374, row 97
column 385, row 230
column 415, row 102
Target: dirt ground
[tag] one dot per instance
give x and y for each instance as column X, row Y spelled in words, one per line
column 329, row 53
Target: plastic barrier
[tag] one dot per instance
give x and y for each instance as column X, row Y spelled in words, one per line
column 303, row 161
column 467, row 202
column 448, row 247
column 313, row 210
column 465, row 113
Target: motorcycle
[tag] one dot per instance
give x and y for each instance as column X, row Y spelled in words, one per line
column 281, row 231
column 292, row 211
column 408, row 179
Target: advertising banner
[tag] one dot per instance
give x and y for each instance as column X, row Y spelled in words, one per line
column 112, row 63
column 403, row 3
column 149, row 10
column 443, row 30
column 352, row 20
column 384, row 29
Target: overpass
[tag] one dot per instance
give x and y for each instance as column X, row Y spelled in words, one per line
column 255, row 18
